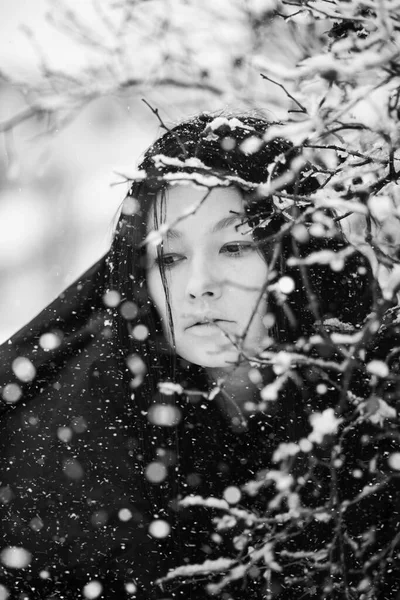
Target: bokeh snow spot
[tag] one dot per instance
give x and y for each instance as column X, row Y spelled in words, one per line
column 156, row 472
column 269, row 320
column 99, row 518
column 23, row 369
column 79, row 424
column 49, row 341
column 251, row 145
column 232, row 494
column 300, row 233
column 286, row 285
column 381, row 207
column 255, row 376
column 164, row 415
column 394, row 461
column 378, row 367
column 305, row 445
column 44, row 574
column 130, row 587
column 6, row 494
column 193, row 480
column 124, row 515
column 270, row 392
column 4, row 593
column 154, row 238
column 317, row 230
column 136, row 365
column 159, row 528
column 111, row 299
column 11, row 393
column 140, row 332
column 166, row 456
column 36, row 524
column 64, row 434
column 228, row 143
column 130, row 206
column 73, row 469
column 128, row 310
column 92, row 590
column 14, row 557
column 282, row 362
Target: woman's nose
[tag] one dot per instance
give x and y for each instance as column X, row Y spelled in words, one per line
column 203, row 281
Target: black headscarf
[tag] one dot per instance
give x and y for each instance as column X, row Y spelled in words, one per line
column 77, row 508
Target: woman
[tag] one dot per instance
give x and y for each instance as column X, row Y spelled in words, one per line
column 136, row 386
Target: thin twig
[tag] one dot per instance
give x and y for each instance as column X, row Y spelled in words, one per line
column 22, row 116
column 156, row 112
column 288, row 94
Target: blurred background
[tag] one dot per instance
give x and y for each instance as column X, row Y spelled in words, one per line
column 72, row 79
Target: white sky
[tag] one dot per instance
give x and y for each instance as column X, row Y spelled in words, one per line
column 74, row 223
column 12, row 14
column 16, row 53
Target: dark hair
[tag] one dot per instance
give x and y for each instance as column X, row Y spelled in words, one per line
column 207, row 146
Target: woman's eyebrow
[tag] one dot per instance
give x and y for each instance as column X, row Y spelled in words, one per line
column 227, row 222
column 218, row 226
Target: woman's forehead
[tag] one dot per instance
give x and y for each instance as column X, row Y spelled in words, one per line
column 194, row 206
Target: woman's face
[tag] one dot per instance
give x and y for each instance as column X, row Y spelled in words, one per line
column 214, row 275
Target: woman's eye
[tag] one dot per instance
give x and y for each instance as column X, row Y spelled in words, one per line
column 169, row 260
column 237, row 248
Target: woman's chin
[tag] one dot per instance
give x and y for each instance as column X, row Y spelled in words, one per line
column 220, row 359
column 217, row 356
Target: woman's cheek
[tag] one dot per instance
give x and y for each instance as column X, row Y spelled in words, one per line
column 176, row 287
column 257, row 271
column 156, row 291
column 250, row 275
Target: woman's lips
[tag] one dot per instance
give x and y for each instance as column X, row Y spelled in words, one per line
column 208, row 328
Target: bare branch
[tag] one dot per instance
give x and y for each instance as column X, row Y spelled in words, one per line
column 288, row 94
